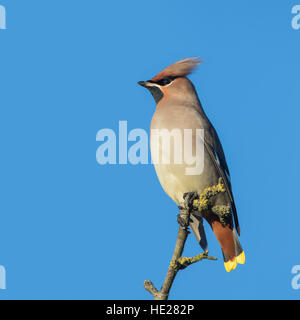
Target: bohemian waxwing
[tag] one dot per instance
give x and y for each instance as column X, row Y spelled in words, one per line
column 178, row 107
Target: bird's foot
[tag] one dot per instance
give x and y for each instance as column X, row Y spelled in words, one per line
column 183, row 221
column 186, row 208
column 189, row 198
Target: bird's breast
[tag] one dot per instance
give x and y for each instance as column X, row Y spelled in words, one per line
column 177, row 150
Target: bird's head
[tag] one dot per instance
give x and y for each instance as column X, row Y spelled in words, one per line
column 172, row 82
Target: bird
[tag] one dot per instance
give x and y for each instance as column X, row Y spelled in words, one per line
column 178, row 108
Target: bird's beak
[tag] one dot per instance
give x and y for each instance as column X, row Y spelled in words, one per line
column 143, row 83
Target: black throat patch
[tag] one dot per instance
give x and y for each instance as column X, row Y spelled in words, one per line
column 156, row 93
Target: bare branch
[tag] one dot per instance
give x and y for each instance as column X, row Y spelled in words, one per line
column 149, row 286
column 192, row 201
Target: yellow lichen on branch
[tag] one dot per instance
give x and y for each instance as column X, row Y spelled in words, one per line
column 204, row 199
column 183, row 262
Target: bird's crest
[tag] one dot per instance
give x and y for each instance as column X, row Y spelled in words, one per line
column 180, row 68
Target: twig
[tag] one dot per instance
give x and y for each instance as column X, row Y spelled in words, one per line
column 177, row 263
column 200, row 203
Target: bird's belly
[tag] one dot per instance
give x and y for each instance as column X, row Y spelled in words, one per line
column 176, row 182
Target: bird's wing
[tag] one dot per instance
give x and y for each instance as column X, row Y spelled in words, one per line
column 215, row 150
column 196, row 224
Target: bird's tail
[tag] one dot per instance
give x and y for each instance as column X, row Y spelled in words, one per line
column 230, row 262
column 229, row 242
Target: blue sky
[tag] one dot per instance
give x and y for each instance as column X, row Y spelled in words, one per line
column 72, row 229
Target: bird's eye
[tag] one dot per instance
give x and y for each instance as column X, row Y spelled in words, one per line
column 165, row 81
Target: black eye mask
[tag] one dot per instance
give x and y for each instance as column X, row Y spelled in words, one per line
column 164, row 81
column 155, row 91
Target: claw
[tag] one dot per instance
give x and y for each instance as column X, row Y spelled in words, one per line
column 182, row 222
column 185, row 195
column 187, row 206
column 189, row 198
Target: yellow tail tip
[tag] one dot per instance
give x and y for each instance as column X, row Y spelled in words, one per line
column 230, row 265
column 241, row 258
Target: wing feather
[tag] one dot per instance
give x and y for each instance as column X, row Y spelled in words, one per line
column 215, row 150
